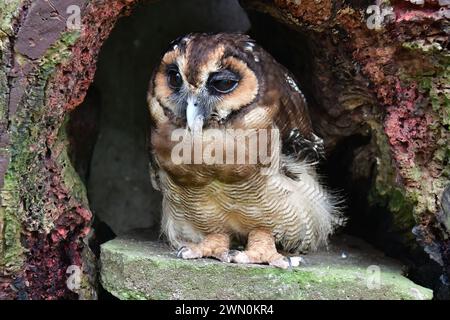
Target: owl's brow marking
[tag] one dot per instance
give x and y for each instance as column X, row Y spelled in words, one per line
column 212, row 57
column 182, row 67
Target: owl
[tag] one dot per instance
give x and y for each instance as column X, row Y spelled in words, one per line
column 226, row 86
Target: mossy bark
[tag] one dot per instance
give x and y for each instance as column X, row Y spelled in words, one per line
column 133, row 267
column 387, row 80
column 45, row 70
column 391, row 82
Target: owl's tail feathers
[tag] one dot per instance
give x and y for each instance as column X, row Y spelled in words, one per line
column 321, row 211
column 322, row 215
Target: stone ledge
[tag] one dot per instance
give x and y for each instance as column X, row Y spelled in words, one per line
column 133, row 267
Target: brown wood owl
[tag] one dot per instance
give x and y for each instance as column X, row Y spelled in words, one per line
column 212, row 85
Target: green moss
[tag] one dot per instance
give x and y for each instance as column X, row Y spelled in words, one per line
column 435, row 85
column 431, row 73
column 432, row 79
column 144, row 270
column 9, row 10
column 71, row 179
column 23, row 198
column 131, row 295
column 3, row 89
column 58, row 53
column 387, row 193
column 424, row 46
column 10, row 247
column 11, row 259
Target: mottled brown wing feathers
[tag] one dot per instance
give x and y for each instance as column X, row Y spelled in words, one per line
column 298, row 138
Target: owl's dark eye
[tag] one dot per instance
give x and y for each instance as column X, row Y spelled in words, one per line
column 223, row 82
column 224, row 86
column 174, row 78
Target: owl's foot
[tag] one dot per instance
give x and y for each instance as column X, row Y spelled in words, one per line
column 260, row 249
column 213, row 245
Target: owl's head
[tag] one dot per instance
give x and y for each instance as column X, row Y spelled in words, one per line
column 205, row 78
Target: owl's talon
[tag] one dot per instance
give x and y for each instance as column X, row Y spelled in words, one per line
column 242, row 257
column 232, row 253
column 180, row 251
column 283, row 263
column 239, row 257
column 224, row 256
column 188, row 253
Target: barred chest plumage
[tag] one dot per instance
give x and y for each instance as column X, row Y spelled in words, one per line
column 294, row 211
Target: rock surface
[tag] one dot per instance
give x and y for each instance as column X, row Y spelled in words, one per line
column 134, row 267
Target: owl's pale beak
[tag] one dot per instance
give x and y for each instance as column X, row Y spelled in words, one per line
column 194, row 115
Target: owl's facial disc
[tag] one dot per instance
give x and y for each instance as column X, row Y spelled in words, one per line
column 199, row 106
column 195, row 103
column 203, row 80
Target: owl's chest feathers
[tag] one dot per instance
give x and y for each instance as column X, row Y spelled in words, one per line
column 217, row 197
column 196, row 163
column 219, row 206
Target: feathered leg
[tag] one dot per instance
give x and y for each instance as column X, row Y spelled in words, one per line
column 260, row 249
column 213, row 245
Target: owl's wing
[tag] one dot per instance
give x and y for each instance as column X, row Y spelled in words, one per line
column 154, row 170
column 298, row 138
column 153, row 164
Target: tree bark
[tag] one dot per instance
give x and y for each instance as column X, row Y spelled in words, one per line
column 45, row 70
column 391, row 81
column 381, row 70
